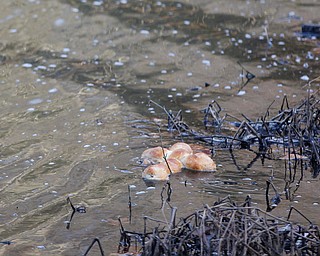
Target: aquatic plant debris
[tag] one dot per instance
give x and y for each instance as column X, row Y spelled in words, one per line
column 224, row 228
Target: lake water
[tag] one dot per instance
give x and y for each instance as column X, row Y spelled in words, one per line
column 77, row 77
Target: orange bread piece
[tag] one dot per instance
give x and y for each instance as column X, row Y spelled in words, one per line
column 199, row 162
column 181, row 145
column 154, row 155
column 161, row 171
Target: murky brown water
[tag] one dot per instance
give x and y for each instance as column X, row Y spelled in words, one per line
column 76, row 78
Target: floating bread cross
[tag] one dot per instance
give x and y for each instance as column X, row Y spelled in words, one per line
column 162, row 162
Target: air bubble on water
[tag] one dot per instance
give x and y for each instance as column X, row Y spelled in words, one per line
column 304, row 78
column 144, row 32
column 97, row 3
column 35, row 101
column 206, row 62
column 27, row 65
column 53, row 90
column 40, row 67
column 59, row 22
column 240, row 93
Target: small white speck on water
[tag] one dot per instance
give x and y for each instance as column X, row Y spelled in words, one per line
column 35, row 101
column 82, row 110
column 189, row 74
column 40, row 67
column 31, row 109
column 27, row 65
column 186, row 22
column 206, row 62
column 144, row 32
column 115, row 144
column 53, row 90
column 242, row 92
column 97, row 3
column 13, row 30
column 51, row 163
column 118, row 63
column 304, row 78
column 59, row 22
column 164, row 71
column 141, row 192
column 227, row 87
